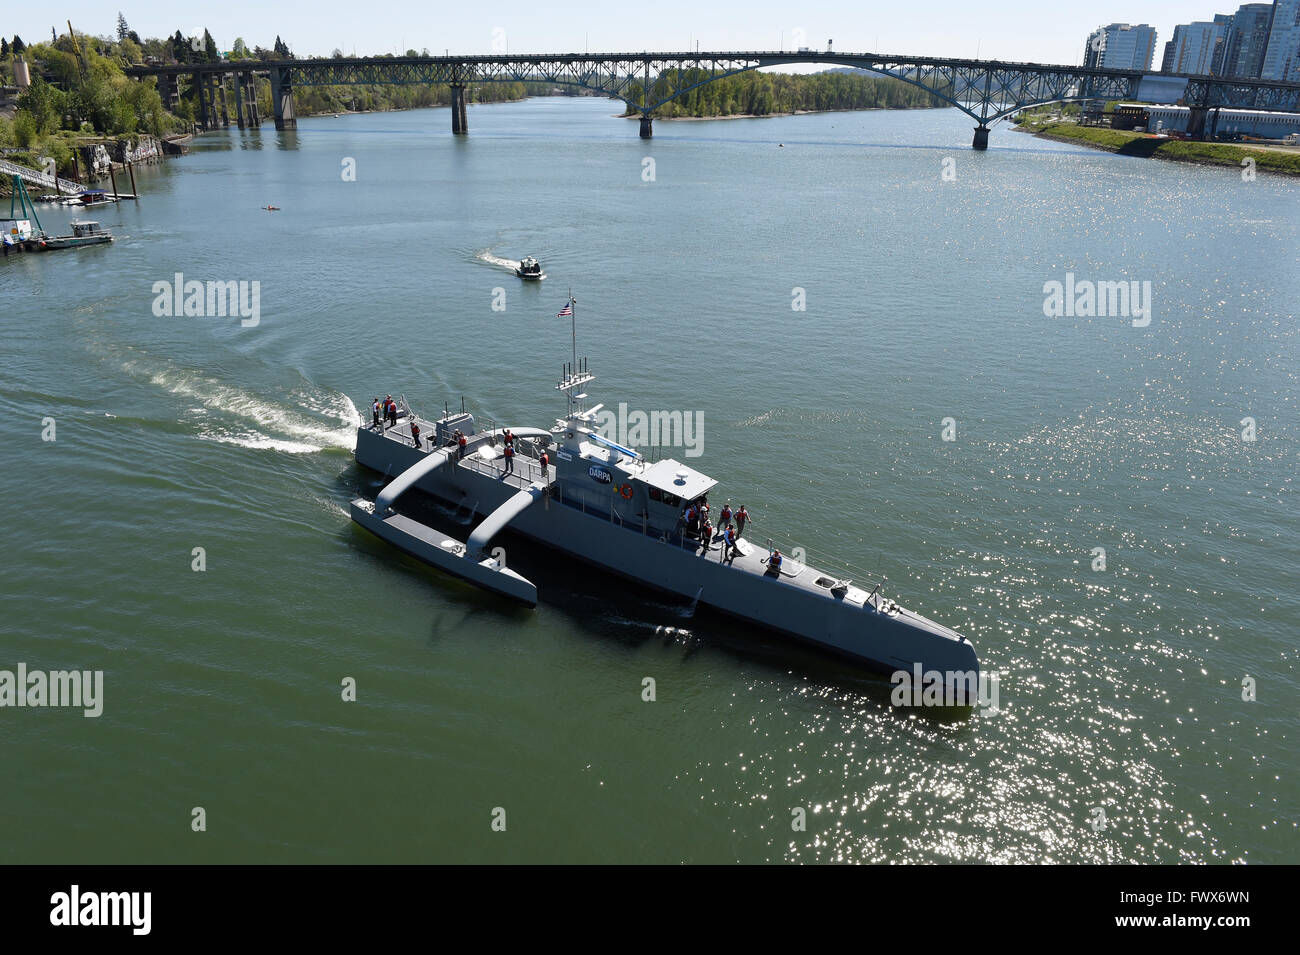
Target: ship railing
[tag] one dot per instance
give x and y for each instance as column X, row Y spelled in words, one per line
column 606, row 510
column 527, row 469
column 837, row 570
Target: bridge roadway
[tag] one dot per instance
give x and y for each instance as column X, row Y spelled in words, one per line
column 986, row 90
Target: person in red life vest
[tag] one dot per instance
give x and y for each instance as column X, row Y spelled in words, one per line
column 508, row 438
column 725, row 517
column 415, row 434
column 692, row 520
column 706, row 538
column 545, row 462
column 742, row 516
column 510, row 458
column 774, row 563
column 461, row 442
column 392, row 412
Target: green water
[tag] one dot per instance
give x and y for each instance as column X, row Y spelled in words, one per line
column 1120, row 689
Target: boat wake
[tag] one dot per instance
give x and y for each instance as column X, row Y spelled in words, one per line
column 485, row 255
column 307, row 420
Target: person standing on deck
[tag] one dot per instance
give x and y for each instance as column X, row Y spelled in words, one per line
column 461, row 442
column 742, row 516
column 415, row 434
column 509, row 454
column 545, row 462
column 375, row 409
column 392, row 412
column 725, row 517
column 729, row 548
column 706, row 538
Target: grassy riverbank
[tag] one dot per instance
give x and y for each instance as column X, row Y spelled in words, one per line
column 1176, row 150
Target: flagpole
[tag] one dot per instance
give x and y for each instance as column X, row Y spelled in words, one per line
column 573, row 326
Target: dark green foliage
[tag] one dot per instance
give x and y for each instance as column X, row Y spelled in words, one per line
column 761, row 94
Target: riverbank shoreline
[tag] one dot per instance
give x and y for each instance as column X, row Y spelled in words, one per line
column 1189, row 152
column 798, row 112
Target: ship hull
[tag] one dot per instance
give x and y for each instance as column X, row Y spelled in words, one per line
column 884, row 642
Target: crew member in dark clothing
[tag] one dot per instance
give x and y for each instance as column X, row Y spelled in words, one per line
column 706, row 537
column 545, row 462
column 415, row 434
column 729, row 548
column 742, row 516
column 509, row 454
column 375, row 409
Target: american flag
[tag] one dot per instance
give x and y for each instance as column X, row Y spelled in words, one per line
column 567, row 310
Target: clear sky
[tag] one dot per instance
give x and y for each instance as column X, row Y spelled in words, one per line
column 1031, row 30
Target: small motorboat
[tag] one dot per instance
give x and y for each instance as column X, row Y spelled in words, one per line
column 530, row 270
column 84, row 232
column 271, row 208
column 92, row 197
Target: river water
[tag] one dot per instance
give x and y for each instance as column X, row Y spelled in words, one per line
column 1121, row 734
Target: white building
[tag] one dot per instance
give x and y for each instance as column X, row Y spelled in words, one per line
column 1122, row 46
column 1197, row 48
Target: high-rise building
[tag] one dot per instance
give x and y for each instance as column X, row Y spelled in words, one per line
column 1282, row 58
column 1197, row 48
column 1122, row 46
column 1167, row 61
column 1248, row 40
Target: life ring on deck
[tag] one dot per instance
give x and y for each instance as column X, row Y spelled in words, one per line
column 626, row 491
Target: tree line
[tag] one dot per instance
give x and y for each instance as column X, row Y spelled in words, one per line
column 762, row 94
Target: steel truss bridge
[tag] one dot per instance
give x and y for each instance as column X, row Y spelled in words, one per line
column 985, row 90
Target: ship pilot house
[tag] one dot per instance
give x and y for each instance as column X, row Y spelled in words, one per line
column 605, row 479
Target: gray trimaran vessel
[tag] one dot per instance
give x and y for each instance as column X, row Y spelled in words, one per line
column 607, row 505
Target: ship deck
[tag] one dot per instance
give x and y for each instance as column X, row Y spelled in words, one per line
column 749, row 557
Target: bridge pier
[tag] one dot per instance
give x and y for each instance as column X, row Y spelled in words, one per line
column 647, row 126
column 282, row 98
column 981, row 137
column 168, row 91
column 239, row 99
column 225, row 110
column 459, row 121
column 254, row 110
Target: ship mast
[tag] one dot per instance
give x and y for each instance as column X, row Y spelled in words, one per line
column 575, row 374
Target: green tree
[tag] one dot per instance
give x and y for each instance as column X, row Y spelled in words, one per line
column 25, row 128
column 123, row 31
column 43, row 104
